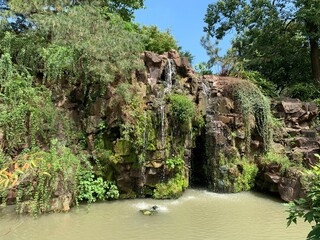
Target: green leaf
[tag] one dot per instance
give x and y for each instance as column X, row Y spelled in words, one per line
column 309, row 217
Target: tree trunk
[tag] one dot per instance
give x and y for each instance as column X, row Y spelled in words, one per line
column 314, row 51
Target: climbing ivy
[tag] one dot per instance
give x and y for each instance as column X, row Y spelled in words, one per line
column 252, row 103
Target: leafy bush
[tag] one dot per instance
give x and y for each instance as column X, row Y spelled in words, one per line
column 281, row 159
column 303, row 91
column 182, row 108
column 39, row 175
column 203, row 69
column 175, row 163
column 86, row 47
column 308, row 208
column 266, row 87
column 91, row 189
column 157, row 41
column 124, row 91
column 246, row 180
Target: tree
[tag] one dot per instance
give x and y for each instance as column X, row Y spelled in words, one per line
column 125, row 8
column 271, row 36
column 157, row 41
column 309, row 13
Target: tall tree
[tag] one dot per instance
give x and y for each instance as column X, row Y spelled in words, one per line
column 309, row 13
column 125, row 8
column 273, row 37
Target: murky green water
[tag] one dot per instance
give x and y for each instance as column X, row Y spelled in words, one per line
column 198, row 215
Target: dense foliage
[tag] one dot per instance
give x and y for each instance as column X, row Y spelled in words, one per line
column 308, row 208
column 123, row 8
column 75, row 50
column 157, row 41
column 183, row 109
column 279, row 39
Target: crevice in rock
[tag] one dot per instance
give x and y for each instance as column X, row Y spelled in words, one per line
column 198, row 178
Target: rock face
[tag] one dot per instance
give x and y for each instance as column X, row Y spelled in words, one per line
column 149, row 148
column 150, row 140
column 166, row 125
column 231, row 134
column 299, row 141
column 144, row 148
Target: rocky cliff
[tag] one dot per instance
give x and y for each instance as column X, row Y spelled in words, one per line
column 169, row 125
column 166, row 128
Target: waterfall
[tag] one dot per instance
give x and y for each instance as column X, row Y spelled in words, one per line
column 170, row 72
column 205, row 89
column 144, row 153
column 163, row 140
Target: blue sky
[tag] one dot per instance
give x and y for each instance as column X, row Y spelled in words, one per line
column 184, row 18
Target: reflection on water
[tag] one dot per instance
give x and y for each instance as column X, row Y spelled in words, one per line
column 196, row 215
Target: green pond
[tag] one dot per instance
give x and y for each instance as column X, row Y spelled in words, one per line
column 197, row 215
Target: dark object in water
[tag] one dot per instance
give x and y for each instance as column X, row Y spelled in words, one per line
column 150, row 211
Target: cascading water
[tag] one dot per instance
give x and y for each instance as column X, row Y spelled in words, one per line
column 170, row 72
column 141, row 163
column 205, row 89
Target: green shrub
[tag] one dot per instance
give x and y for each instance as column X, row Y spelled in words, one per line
column 91, row 189
column 303, row 91
column 182, row 108
column 278, row 158
column 308, row 208
column 157, row 41
column 86, row 48
column 175, row 163
column 124, row 91
column 266, row 87
column 245, row 181
column 38, row 175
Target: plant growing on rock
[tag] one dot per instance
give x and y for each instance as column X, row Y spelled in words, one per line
column 175, row 163
column 157, row 41
column 45, row 175
column 273, row 157
column 245, row 181
column 182, row 108
column 172, row 189
column 27, row 112
column 252, row 103
column 91, row 189
column 308, row 208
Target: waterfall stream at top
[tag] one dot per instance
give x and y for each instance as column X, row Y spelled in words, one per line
column 170, row 72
